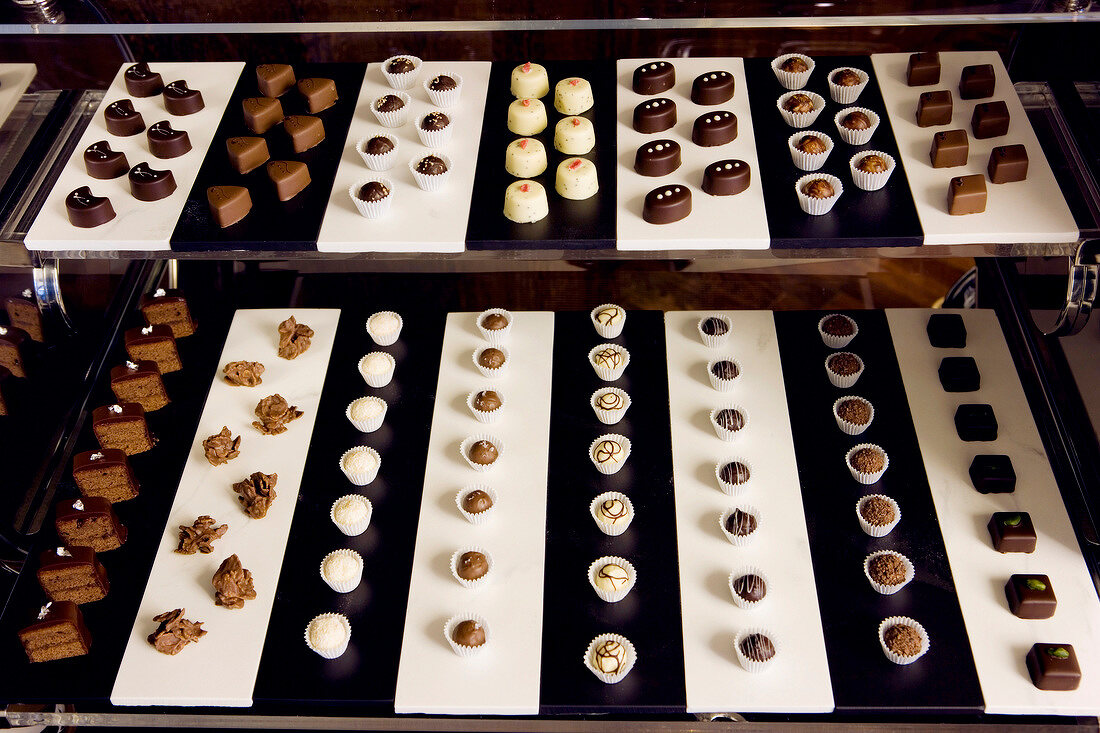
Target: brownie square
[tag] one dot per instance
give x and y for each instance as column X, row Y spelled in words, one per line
column 993, row 474
column 976, row 422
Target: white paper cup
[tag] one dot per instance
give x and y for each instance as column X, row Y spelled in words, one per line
column 359, row 526
column 753, row 665
column 809, row 161
column 361, row 478
column 844, row 381
column 604, row 415
column 837, row 342
column 613, row 596
column 476, row 582
column 749, row 570
column 431, row 182
column 609, row 330
column 346, row 585
column 481, row 415
column 380, row 379
column 801, row 119
column 461, row 649
column 713, row 341
column 446, row 97
column 497, row 336
column 434, row 138
column 464, row 448
column 371, row 209
column 792, row 79
column 871, row 181
column 888, row 590
column 491, row 372
column 724, row 433
column 818, row 207
column 720, row 384
column 609, row 467
column 333, row 652
column 605, row 372
column 381, row 162
column 371, row 424
column 385, row 339
column 481, row 517
column 847, row 95
column 851, row 428
column 405, row 79
column 739, row 540
column 874, row 530
column 393, row 118
column 612, row 529
column 898, row 658
column 629, row 659
column 856, row 137
column 731, row 489
column 866, row 478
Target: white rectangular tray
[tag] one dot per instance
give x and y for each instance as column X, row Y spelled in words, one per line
column 503, row 678
column 138, row 225
column 715, row 222
column 998, row 639
column 418, row 221
column 1032, row 210
column 715, row 682
column 14, row 80
column 220, row 669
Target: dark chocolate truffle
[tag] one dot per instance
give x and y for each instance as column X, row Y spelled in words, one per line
column 724, row 369
column 400, row 65
column 434, row 121
column 147, row 184
column 373, row 191
column 977, row 82
column 714, row 326
column 165, row 142
column 1031, row 596
column 856, row 121
column 494, row 321
column 903, row 639
column 735, row 473
column 846, row 78
column 657, row 158
column 818, row 188
column 1053, row 666
column 714, row 128
column 483, row 453
column 1007, row 164
column 471, row 566
column 757, row 647
column 844, row 364
column 468, row 633
column 654, row 115
column 389, row 103
column 730, row 419
column 794, row 65
column 122, row 119
column 379, row 145
column 750, row 587
column 801, row 103
column 477, row 501
column 740, row 523
column 431, row 165
column 442, row 83
column 872, row 164
column 838, row 325
column 877, row 511
column 887, row 568
column 486, row 400
column 491, row 358
column 811, row 145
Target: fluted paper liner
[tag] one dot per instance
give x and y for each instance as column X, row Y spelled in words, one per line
column 847, row 95
column 752, row 665
column 844, row 381
column 482, row 415
column 361, row 478
column 405, row 79
column 464, row 448
column 476, row 582
column 337, row 651
column 480, row 517
column 716, row 340
column 616, row 529
column 385, row 340
column 749, row 570
column 875, row 530
column 605, row 373
column 461, row 649
column 792, row 79
column 498, row 336
column 720, row 384
column 343, row 586
column 723, row 433
column 352, row 529
column 378, row 380
column 606, row 331
column 856, row 137
column 866, row 478
column 726, row 487
column 897, row 658
column 431, row 182
column 871, row 181
column 609, row 467
column 447, row 97
column 801, row 119
column 851, row 428
column 490, row 372
column 809, row 161
column 888, row 590
column 739, row 540
column 378, row 163
column 621, row 593
column 435, row 138
column 395, row 118
column 629, row 659
column 818, row 207
column 610, row 417
column 367, row 426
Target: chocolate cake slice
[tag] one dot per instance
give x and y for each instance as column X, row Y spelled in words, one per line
column 72, row 574
column 154, row 343
column 106, row 474
column 140, row 382
column 58, row 633
column 122, row 426
column 13, row 350
column 168, row 307
column 89, row 522
column 23, row 313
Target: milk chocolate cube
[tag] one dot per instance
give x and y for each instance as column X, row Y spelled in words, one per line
column 1054, row 667
column 959, row 374
column 946, row 331
column 950, row 148
column 976, row 422
column 977, row 82
column 1008, row 164
column 966, row 195
column 924, row 69
column 993, row 474
column 934, row 108
column 1012, row 532
column 1031, row 596
column 990, row 120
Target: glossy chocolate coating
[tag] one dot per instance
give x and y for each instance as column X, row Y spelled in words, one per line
column 471, row 565
column 667, row 204
column 1012, row 532
column 389, row 103
column 946, row 331
column 122, row 119
column 1008, row 164
column 247, row 153
column 94, row 507
column 141, row 82
column 431, row 165
column 714, row 128
column 179, row 99
column 990, row 120
column 730, row 419
column 750, row 587
column 487, row 401
column 320, row 94
column 435, row 121
column 477, row 501
column 976, row 422
column 379, row 145
column 64, row 558
column 966, row 195
column 714, row 326
column 483, row 453
column 794, row 65
column 726, row 177
column 657, row 157
column 713, row 87
column 305, row 131
column 654, row 77
column 400, row 65
column 992, row 474
column 1031, row 596
column 491, row 358
column 261, row 113
column 923, row 69
column 103, row 163
column 799, row 103
column 147, row 184
column 164, row 142
column 273, row 80
column 977, row 82
column 64, row 616
column 86, row 210
column 734, row 473
column 934, row 108
column 289, row 177
column 950, row 148
column 442, row 83
column 468, row 633
column 811, row 145
column 740, row 523
column 845, row 78
column 373, row 191
column 228, row 204
column 818, row 188
column 1053, row 666
column 856, row 121
column 655, row 115
column 872, row 164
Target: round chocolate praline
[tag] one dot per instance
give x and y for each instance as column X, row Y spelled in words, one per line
column 389, row 103
column 442, row 83
column 818, row 188
column 471, row 565
column 491, row 358
column 872, row 164
column 843, row 364
column 379, row 145
column 846, row 78
column 494, row 321
column 811, row 145
column 714, row 326
column 730, row 419
column 740, row 523
column 750, row 587
column 855, row 411
column 434, row 121
column 400, row 65
column 794, row 65
column 757, row 647
column 799, row 103
column 483, row 453
column 838, row 325
column 373, row 191
column 468, row 633
column 724, row 369
column 477, row 501
column 487, row 400
column 856, row 121
column 431, row 165
column 868, row 460
column 735, row 473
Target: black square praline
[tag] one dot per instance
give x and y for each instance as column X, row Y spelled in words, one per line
column 993, row 474
column 976, row 422
column 960, row 374
column 946, row 331
column 1012, row 532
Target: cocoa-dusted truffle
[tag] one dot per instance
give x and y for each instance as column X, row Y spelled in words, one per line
column 379, row 145
column 468, row 633
column 818, row 188
column 811, row 145
column 431, row 165
column 872, row 164
column 903, row 640
column 854, row 410
column 846, row 78
column 838, row 325
column 844, row 364
column 856, row 121
column 373, row 191
column 483, row 453
column 800, row 103
column 868, row 460
column 877, row 511
column 794, row 65
column 887, row 569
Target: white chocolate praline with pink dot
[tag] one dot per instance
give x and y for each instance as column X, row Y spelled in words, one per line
column 573, row 95
column 530, row 80
column 526, row 116
column 525, row 158
column 576, row 179
column 525, row 202
column 574, row 136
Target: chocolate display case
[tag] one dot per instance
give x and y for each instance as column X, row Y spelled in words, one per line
column 680, row 617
